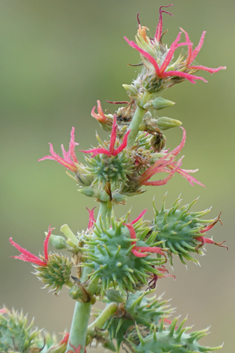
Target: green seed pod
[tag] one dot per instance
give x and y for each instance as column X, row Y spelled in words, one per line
column 177, row 229
column 110, row 169
column 109, row 254
column 165, row 123
column 172, row 339
column 58, row 242
column 56, row 273
column 138, row 309
column 144, row 310
column 159, row 103
column 15, row 333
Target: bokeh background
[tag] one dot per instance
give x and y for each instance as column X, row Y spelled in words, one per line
column 56, row 59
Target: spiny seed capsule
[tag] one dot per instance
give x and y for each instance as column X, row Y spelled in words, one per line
column 178, row 229
column 56, row 273
column 15, row 333
column 138, row 310
column 109, row 254
column 112, row 169
column 171, row 339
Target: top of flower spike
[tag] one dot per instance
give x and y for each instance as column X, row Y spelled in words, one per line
column 161, row 60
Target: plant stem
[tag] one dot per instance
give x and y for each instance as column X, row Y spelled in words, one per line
column 103, row 317
column 79, row 325
column 137, row 119
column 105, row 209
column 100, row 321
column 81, row 315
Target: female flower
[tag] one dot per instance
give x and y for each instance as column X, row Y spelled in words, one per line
column 205, row 240
column 141, row 251
column 112, row 151
column 168, row 165
column 158, row 59
column 69, row 159
column 91, row 218
column 102, row 118
column 28, row 256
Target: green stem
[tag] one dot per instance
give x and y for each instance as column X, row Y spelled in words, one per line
column 79, row 325
column 105, row 209
column 81, row 315
column 103, row 317
column 109, row 212
column 137, row 119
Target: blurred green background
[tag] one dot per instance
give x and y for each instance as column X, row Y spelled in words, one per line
column 56, row 59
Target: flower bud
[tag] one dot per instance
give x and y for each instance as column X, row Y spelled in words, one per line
column 74, row 248
column 83, row 176
column 159, row 103
column 58, row 242
column 158, row 142
column 165, row 123
column 69, row 234
column 149, row 124
column 87, row 192
column 76, row 292
column 131, row 90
